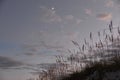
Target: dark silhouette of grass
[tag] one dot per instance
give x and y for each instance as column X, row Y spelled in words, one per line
column 109, row 54
column 100, row 67
column 91, row 58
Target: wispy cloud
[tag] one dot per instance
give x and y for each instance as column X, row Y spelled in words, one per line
column 49, row 15
column 109, row 3
column 35, row 47
column 31, row 47
column 6, row 63
column 38, row 49
column 70, row 19
column 78, row 21
column 48, row 46
column 29, row 54
column 73, row 35
column 89, row 12
column 104, row 16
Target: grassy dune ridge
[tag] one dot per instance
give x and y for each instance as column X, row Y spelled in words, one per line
column 92, row 60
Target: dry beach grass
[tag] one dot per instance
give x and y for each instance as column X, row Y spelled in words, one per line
column 92, row 60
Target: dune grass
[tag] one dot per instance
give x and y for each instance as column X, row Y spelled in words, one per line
column 102, row 56
column 100, row 67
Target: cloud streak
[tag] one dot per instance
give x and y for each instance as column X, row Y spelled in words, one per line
column 6, row 63
column 104, row 16
column 50, row 46
column 38, row 49
column 35, row 47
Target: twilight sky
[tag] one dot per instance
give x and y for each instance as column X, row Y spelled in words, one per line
column 34, row 31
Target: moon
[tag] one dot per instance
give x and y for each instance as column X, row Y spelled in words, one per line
column 53, row 8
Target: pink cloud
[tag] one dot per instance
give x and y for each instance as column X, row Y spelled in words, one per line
column 88, row 12
column 104, row 16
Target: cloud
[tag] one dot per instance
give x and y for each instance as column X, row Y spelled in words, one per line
column 6, row 63
column 109, row 3
column 49, row 15
column 37, row 49
column 31, row 47
column 104, row 16
column 48, row 46
column 78, row 21
column 70, row 19
column 88, row 12
column 29, row 54
column 73, row 35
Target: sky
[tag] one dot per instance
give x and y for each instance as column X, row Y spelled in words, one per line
column 34, row 31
